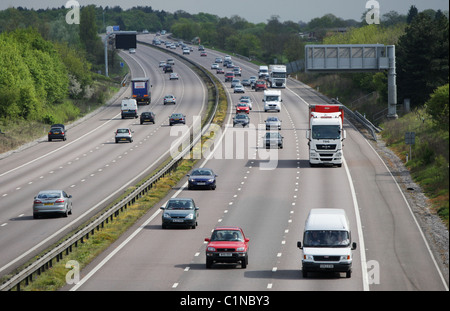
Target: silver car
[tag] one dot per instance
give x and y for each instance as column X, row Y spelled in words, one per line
column 273, row 123
column 124, row 134
column 52, row 202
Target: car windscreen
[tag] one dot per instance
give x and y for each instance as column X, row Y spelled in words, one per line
column 227, row 235
column 49, row 195
column 179, row 204
column 326, row 238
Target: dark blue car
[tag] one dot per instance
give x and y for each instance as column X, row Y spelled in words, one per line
column 202, row 178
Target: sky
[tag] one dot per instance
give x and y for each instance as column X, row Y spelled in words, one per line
column 255, row 11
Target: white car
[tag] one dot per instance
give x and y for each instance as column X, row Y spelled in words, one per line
column 214, row 66
column 132, row 51
column 173, row 76
column 238, row 88
column 170, row 99
column 124, row 134
column 162, row 63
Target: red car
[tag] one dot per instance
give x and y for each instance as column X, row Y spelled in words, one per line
column 260, row 85
column 227, row 245
column 229, row 76
column 242, row 107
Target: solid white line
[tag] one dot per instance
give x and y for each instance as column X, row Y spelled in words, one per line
column 362, row 248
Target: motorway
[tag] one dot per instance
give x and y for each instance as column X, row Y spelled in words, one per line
column 90, row 166
column 269, row 194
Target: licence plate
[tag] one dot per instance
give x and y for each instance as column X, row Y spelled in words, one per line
column 48, row 203
column 323, row 266
column 225, row 254
column 178, row 220
column 123, row 139
column 201, row 183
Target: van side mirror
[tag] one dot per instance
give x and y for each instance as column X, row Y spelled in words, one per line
column 345, row 135
column 307, row 134
column 353, row 245
column 299, row 244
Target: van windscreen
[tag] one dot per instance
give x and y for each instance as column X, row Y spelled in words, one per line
column 326, row 238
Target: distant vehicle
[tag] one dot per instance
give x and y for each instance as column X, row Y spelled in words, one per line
column 162, row 63
column 229, row 76
column 129, row 108
column 147, row 116
column 170, row 61
column 272, row 100
column 246, row 82
column 57, row 131
column 124, row 134
column 252, row 80
column 263, row 72
column 201, row 48
column 167, row 68
column 52, row 202
column 239, row 88
column 132, row 51
column 273, row 139
column 173, row 76
column 203, row 53
column 237, row 70
column 227, row 245
column 141, row 90
column 246, row 100
column 214, row 66
column 202, row 178
column 273, row 123
column 180, row 212
column 234, row 82
column 176, row 118
column 170, row 99
column 218, row 60
column 260, row 85
column 220, row 71
column 241, row 119
column 242, row 107
column 186, row 51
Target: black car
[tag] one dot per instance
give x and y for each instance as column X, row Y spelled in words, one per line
column 176, row 118
column 167, row 68
column 147, row 116
column 202, row 177
column 57, row 131
column 241, row 119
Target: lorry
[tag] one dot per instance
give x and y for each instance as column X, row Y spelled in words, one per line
column 272, row 100
column 327, row 242
column 129, row 108
column 277, row 76
column 140, row 90
column 263, row 72
column 326, row 134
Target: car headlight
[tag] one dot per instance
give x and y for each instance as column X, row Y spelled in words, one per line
column 190, row 216
column 240, row 249
column 211, row 180
column 165, row 215
column 210, row 249
column 308, row 257
column 346, row 257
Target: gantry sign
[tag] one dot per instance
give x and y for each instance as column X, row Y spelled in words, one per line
column 355, row 58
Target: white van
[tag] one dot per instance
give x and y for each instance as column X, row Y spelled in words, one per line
column 327, row 242
column 263, row 72
column 129, row 108
column 272, row 100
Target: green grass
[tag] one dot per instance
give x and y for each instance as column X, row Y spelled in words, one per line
column 428, row 162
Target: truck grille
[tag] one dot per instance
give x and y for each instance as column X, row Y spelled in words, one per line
column 326, row 147
column 326, row 258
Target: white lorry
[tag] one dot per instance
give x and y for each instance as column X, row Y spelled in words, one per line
column 327, row 242
column 277, row 76
column 129, row 108
column 263, row 72
column 272, row 100
column 325, row 134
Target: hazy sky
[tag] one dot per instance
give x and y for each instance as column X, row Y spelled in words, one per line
column 254, row 11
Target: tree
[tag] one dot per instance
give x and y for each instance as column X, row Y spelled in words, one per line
column 422, row 58
column 437, row 107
